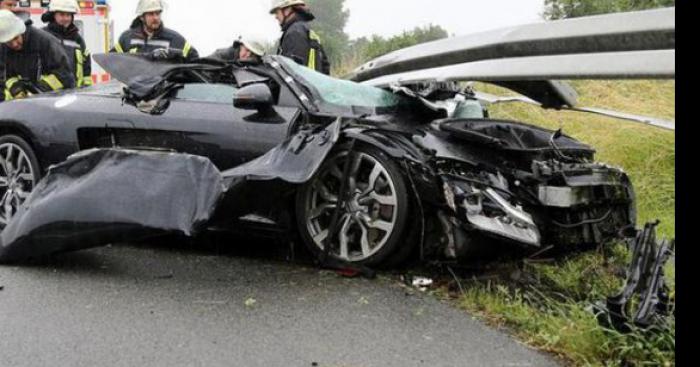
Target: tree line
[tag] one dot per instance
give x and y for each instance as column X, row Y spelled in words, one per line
column 559, row 9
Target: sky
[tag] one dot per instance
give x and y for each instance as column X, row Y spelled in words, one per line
column 213, row 24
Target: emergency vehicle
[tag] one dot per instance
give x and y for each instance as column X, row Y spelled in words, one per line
column 93, row 22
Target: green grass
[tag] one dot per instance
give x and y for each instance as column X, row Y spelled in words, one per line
column 550, row 311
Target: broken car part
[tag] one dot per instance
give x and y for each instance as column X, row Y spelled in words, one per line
column 644, row 300
column 98, row 197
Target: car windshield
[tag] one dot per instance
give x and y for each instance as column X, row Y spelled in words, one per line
column 343, row 92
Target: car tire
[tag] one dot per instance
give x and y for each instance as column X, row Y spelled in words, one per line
column 375, row 222
column 19, row 174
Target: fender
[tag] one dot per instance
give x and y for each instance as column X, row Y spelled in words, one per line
column 16, row 127
column 393, row 143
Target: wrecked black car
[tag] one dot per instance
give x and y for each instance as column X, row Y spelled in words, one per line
column 363, row 174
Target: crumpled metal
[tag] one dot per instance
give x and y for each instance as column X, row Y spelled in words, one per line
column 103, row 196
column 644, row 301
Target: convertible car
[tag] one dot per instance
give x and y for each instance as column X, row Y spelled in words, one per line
column 418, row 169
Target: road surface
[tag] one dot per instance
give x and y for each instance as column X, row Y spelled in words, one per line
column 154, row 306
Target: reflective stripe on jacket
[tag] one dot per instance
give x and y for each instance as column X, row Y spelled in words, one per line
column 42, row 61
column 135, row 40
column 303, row 45
column 78, row 55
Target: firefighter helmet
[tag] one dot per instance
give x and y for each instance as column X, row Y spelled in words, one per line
column 10, row 26
column 279, row 4
column 255, row 46
column 64, row 6
column 147, row 6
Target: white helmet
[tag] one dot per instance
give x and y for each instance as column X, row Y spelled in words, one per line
column 147, row 6
column 279, row 4
column 255, row 45
column 65, row 6
column 10, row 26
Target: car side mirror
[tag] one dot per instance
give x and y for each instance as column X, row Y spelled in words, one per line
column 254, row 97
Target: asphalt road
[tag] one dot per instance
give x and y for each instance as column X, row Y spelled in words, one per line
column 150, row 306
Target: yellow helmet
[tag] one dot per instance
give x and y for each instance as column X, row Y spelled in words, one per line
column 279, row 4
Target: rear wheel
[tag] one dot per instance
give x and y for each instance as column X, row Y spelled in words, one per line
column 19, row 174
column 372, row 222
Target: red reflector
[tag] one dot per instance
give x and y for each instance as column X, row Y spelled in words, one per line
column 348, row 273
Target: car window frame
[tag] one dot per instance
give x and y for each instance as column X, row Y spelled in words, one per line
column 177, row 97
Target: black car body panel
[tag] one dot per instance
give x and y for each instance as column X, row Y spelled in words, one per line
column 469, row 175
column 123, row 195
column 97, row 117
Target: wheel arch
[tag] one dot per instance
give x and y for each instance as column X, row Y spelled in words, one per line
column 11, row 127
column 403, row 149
column 394, row 144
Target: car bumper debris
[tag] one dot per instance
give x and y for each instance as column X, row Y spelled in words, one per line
column 644, row 301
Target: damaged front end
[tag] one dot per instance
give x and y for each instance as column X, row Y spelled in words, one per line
column 523, row 185
column 485, row 210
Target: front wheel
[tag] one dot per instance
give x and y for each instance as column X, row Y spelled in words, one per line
column 19, row 174
column 372, row 222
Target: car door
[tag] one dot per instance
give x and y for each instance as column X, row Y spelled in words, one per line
column 202, row 120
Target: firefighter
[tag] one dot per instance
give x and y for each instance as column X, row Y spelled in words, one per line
column 148, row 35
column 33, row 61
column 244, row 49
column 60, row 19
column 298, row 41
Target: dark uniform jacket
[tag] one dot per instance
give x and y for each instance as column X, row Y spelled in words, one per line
column 302, row 44
column 42, row 62
column 135, row 40
column 74, row 44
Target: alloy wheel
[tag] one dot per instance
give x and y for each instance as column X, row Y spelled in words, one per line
column 367, row 218
column 17, row 180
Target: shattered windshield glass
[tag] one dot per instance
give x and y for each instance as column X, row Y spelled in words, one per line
column 343, row 92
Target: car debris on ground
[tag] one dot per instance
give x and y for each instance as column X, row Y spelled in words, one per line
column 250, row 302
column 421, row 283
column 644, row 301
